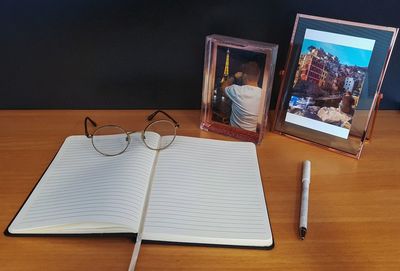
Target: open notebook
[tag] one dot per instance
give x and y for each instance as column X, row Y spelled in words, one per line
column 199, row 191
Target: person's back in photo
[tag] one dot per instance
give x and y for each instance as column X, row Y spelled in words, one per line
column 246, row 98
column 347, row 103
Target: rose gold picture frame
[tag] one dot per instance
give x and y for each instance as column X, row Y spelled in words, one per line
column 237, row 82
column 331, row 85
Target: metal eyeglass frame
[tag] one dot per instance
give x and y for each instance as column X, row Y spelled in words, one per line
column 170, row 120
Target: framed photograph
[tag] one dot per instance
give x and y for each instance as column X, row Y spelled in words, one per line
column 332, row 82
column 237, row 82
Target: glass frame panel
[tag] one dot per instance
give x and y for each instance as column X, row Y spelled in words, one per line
column 307, row 129
column 225, row 60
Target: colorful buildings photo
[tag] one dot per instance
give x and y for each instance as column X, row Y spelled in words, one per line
column 329, row 79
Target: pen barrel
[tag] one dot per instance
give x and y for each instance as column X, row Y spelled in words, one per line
column 304, row 205
column 304, row 198
column 306, row 171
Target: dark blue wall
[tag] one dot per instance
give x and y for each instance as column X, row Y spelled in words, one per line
column 146, row 54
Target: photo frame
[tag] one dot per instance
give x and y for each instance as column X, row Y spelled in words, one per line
column 237, row 82
column 331, row 83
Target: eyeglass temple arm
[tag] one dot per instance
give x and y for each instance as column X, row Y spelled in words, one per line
column 150, row 117
column 86, row 128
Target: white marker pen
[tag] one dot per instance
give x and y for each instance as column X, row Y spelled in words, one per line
column 304, row 199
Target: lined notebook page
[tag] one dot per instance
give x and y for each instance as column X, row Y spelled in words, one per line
column 208, row 191
column 86, row 192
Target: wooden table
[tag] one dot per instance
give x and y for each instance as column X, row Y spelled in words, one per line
column 354, row 215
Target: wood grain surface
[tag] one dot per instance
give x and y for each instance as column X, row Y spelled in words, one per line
column 354, row 213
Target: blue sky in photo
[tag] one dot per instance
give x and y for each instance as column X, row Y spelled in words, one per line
column 347, row 55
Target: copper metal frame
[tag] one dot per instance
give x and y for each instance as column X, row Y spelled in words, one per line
column 378, row 95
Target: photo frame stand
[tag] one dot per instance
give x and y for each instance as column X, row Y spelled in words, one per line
column 237, row 83
column 330, row 88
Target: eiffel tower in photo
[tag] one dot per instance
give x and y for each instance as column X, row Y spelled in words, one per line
column 226, row 69
column 222, row 105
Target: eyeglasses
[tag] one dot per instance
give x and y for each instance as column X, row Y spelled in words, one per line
column 111, row 140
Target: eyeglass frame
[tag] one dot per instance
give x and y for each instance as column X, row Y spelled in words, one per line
column 149, row 118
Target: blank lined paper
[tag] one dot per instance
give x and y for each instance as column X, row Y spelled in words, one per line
column 208, row 191
column 201, row 191
column 84, row 191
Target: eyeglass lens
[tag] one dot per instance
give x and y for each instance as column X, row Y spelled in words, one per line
column 110, row 140
column 166, row 129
